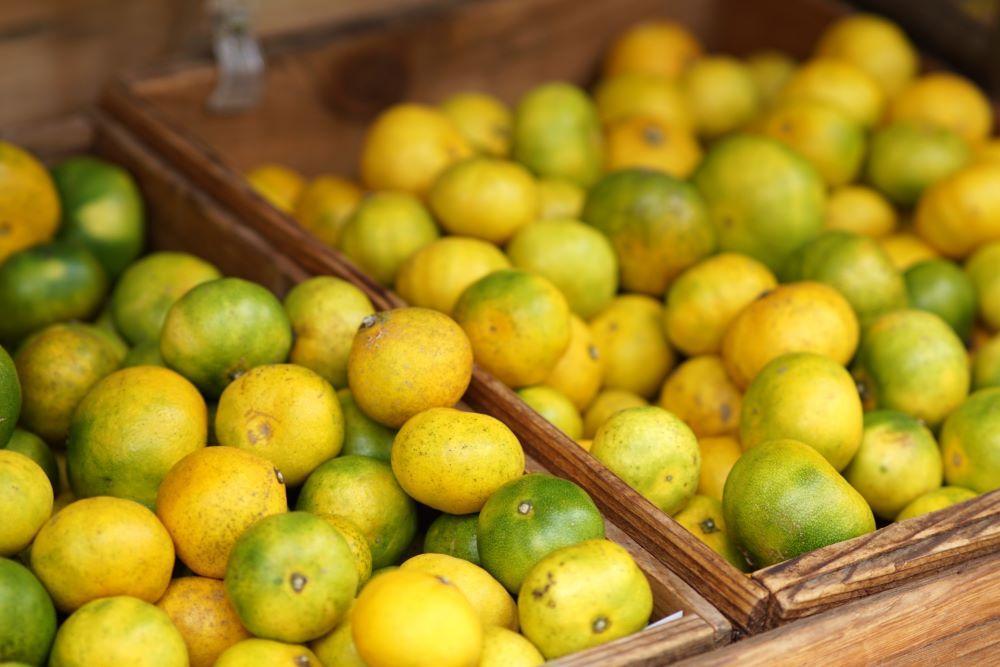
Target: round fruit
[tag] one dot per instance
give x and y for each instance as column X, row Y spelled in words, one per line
column 559, row 199
column 898, row 462
column 453, row 460
column 201, row 612
column 783, row 499
column 798, row 317
column 639, row 94
column 630, row 341
column 291, row 577
column 47, row 284
column 557, row 134
column 505, row 648
column 705, row 299
column 582, row 596
column 26, row 498
column 518, row 324
column 580, row 370
column 907, row 157
column 398, row 620
column 970, row 443
column 874, row 44
column 854, row 265
column 701, row 394
column 861, row 210
column 279, row 185
column 703, row 518
column 657, row 225
column 325, row 313
column 960, row 213
column 575, row 257
column 98, row 547
column 985, row 366
column 437, row 274
column 337, row 647
column 223, row 328
column 529, row 518
column 27, row 617
column 606, row 404
column 659, row 47
column 130, row 429
column 454, row 536
column 285, row 413
column 935, row 500
column 362, row 434
column 983, row 269
column 34, row 448
column 840, row 84
column 148, row 288
column 805, row 397
column 483, row 120
column 649, row 143
column 118, row 630
column 144, row 354
column 721, row 95
column 356, row 542
column 654, row 452
column 102, row 209
column 763, row 199
column 718, row 455
column 946, row 100
column 407, row 146
column 770, row 71
column 364, row 490
column 492, row 602
column 385, row 230
column 408, row 360
column 57, row 366
column 484, row 198
column 941, row 287
column 905, row 249
column 555, row 408
column 832, row 142
column 211, row 497
column 253, row 652
column 10, row 397
column 29, row 203
column 325, row 206
column 912, row 361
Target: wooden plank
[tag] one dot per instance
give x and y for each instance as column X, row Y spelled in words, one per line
column 950, row 618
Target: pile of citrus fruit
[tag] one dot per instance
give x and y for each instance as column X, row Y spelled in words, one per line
column 765, row 293
column 346, row 513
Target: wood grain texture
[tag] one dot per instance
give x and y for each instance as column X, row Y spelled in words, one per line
column 950, row 618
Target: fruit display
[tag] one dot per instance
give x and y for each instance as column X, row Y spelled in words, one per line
column 783, row 268
column 196, row 472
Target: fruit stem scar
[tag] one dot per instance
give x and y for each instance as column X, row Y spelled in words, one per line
column 367, row 322
column 524, row 507
column 708, row 526
column 600, row 624
column 298, row 581
column 279, row 476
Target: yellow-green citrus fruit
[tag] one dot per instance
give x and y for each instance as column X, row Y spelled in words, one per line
column 654, row 452
column 657, row 46
column 770, row 71
column 633, row 94
column 946, row 100
column 703, row 518
column 631, row 343
column 26, row 496
column 386, row 228
column 983, row 269
column 291, row 577
column 783, row 499
column 898, row 462
column 253, row 652
column 720, row 93
column 555, row 408
column 559, row 199
column 657, row 224
column 575, row 257
column 718, row 455
column 604, row 405
column 580, row 370
column 453, row 460
column 325, row 313
column 650, row 143
column 356, row 542
column 970, row 443
column 454, row 536
column 130, row 429
column 483, row 120
column 484, row 198
column 119, row 630
column 763, row 199
column 840, row 84
column 906, row 158
column 506, row 648
column 985, row 365
column 10, row 397
column 518, row 323
column 408, row 360
column 278, row 185
column 27, row 617
column 941, row 287
column 912, row 361
column 488, row 597
column 144, row 354
column 362, row 434
column 935, row 500
column 859, row 209
column 337, row 647
column 701, row 394
column 29, row 203
column 34, row 448
column 200, row 610
column 906, row 249
column 557, row 134
column 285, row 413
column 876, row 45
column 437, row 274
column 407, row 146
column 705, row 299
column 582, row 596
column 960, row 213
column 325, row 206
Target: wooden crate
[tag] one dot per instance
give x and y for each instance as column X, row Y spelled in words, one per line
column 322, row 92
column 183, row 217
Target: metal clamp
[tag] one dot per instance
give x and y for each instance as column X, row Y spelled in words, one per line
column 239, row 60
